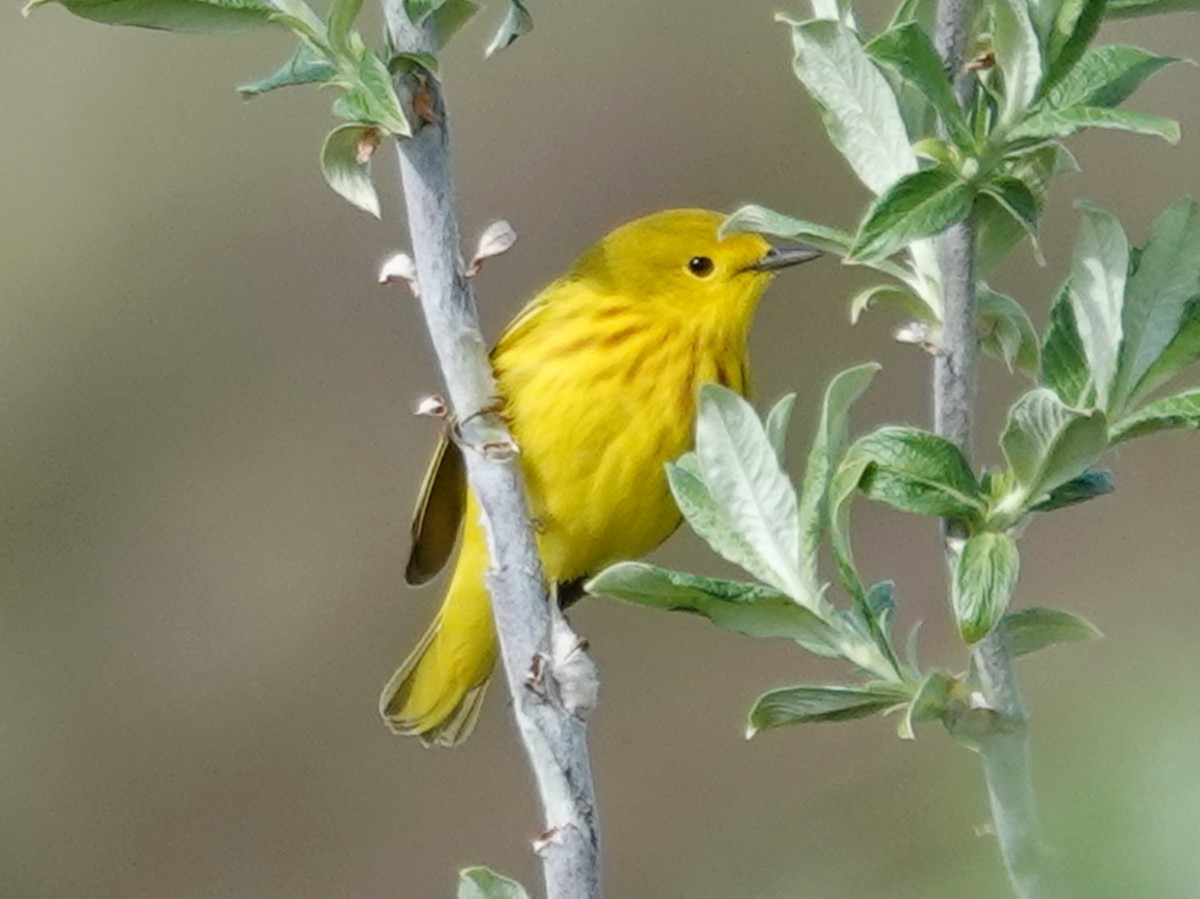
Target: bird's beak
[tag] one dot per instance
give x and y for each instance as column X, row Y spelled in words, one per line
column 784, row 257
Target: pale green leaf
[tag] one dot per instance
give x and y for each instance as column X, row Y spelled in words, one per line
column 984, row 582
column 1166, row 277
column 929, row 703
column 855, row 101
column 1048, row 443
column 916, row 471
column 517, row 22
column 706, row 518
column 189, row 16
column 1168, row 413
column 891, row 295
column 1182, row 351
column 1064, row 366
column 828, row 448
column 777, row 423
column 1030, row 630
column 305, row 66
column 749, row 609
column 760, row 220
column 342, row 15
column 1098, row 273
column 908, row 51
column 1018, row 56
column 483, row 883
column 802, row 705
column 1021, row 204
column 1051, row 124
column 1105, row 76
column 919, row 205
column 745, row 479
column 417, row 10
column 1006, row 331
column 1075, row 25
column 345, row 162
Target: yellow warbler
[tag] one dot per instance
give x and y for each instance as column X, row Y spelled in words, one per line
column 600, row 376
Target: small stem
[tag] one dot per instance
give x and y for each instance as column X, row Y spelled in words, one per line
column 1005, row 749
column 554, row 738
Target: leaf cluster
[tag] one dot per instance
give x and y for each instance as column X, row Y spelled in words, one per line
column 891, row 109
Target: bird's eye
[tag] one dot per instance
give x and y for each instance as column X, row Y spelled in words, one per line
column 700, row 266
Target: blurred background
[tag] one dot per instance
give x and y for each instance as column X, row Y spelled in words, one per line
column 208, row 461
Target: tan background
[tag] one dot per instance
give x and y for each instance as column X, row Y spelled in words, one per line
column 208, row 461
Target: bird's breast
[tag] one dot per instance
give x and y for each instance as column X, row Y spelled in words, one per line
column 597, row 411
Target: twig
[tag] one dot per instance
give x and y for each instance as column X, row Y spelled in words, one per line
column 1005, row 748
column 554, row 738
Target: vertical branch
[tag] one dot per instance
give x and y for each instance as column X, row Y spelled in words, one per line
column 1005, row 747
column 554, row 738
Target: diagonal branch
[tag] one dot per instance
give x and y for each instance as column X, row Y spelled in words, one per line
column 539, row 668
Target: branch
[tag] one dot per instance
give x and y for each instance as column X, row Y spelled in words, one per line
column 543, row 661
column 1005, row 747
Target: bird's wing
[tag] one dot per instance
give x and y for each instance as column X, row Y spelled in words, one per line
column 439, row 513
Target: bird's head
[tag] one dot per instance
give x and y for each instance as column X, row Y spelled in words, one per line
column 675, row 258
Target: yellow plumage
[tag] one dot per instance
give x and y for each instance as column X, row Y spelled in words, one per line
column 599, row 376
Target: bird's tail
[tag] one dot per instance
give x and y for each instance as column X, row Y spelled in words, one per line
column 438, row 691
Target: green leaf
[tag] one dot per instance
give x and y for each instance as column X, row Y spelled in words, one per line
column 1089, row 485
column 777, row 423
column 1006, row 331
column 1048, row 443
column 919, row 205
column 828, row 448
column 345, row 162
column 300, row 18
column 744, row 477
column 749, row 609
column 704, row 517
column 916, row 471
column 517, row 22
column 984, row 582
column 891, row 295
column 1074, row 27
column 1064, row 366
column 908, row 51
column 856, row 104
column 1167, row 276
column 842, row 489
column 1125, row 9
column 449, row 18
column 1182, row 351
column 305, row 66
column 189, row 16
column 760, row 220
column 417, row 10
column 1018, row 56
column 929, row 703
column 1029, row 630
column 803, row 705
column 1015, row 198
column 1171, row 412
column 1051, row 124
column 483, row 883
column 342, row 15
column 1098, row 273
column 1105, row 76
column 998, row 226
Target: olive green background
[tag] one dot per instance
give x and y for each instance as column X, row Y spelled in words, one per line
column 207, row 460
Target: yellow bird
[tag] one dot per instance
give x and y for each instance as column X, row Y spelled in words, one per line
column 600, row 376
